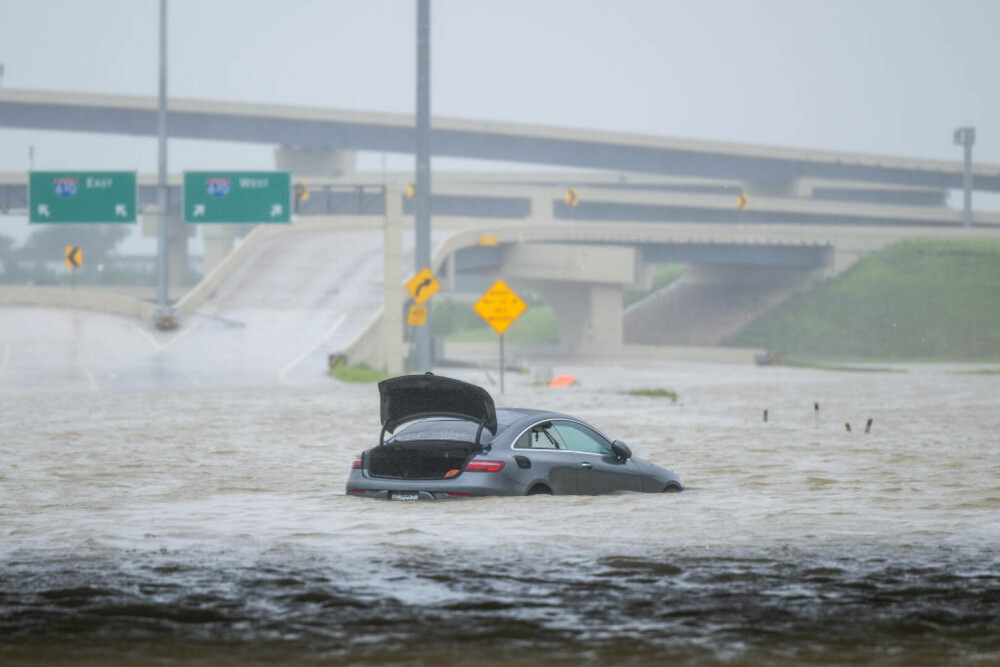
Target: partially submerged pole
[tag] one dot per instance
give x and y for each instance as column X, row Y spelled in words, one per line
column 422, row 217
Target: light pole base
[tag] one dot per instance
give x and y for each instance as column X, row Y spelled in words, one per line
column 165, row 319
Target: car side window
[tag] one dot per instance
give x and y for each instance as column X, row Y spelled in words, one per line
column 540, row 436
column 579, row 438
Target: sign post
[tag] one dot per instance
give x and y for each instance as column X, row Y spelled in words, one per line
column 74, row 260
column 422, row 286
column 81, row 196
column 237, row 197
column 500, row 306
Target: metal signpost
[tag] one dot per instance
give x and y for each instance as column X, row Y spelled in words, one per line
column 82, row 196
column 500, row 306
column 422, row 286
column 74, row 260
column 422, row 223
column 966, row 138
column 163, row 317
column 237, row 196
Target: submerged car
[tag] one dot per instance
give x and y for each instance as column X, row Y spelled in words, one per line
column 455, row 443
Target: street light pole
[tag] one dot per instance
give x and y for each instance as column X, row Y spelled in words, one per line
column 164, row 317
column 422, row 257
column 966, row 137
column 161, row 183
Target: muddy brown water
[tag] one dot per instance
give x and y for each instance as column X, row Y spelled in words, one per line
column 211, row 527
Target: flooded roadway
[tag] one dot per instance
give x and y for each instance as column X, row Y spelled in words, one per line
column 210, row 526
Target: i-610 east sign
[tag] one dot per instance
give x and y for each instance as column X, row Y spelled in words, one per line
column 237, row 196
column 82, row 196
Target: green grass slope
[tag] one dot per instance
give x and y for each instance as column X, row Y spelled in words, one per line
column 917, row 300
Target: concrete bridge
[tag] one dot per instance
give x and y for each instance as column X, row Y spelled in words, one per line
column 321, row 141
column 811, row 213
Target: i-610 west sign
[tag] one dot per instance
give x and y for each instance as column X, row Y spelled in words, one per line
column 237, row 196
column 82, row 196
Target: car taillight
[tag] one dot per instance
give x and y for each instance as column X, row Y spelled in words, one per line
column 357, row 463
column 484, row 466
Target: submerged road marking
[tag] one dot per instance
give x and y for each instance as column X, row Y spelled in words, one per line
column 160, row 347
column 297, row 360
column 5, row 358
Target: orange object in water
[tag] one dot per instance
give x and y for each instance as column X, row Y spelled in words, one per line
column 451, row 473
column 563, row 381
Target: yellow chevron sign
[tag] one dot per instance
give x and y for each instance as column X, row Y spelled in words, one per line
column 74, row 257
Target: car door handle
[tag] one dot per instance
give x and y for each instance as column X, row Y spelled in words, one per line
column 586, row 466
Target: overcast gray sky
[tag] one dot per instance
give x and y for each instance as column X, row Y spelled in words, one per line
column 879, row 76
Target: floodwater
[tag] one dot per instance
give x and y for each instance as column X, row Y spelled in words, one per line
column 211, row 527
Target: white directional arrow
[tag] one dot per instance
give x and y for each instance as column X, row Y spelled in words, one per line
column 121, row 210
column 276, row 210
column 43, row 209
column 199, row 211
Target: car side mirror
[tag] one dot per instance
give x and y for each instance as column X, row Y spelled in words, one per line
column 621, row 450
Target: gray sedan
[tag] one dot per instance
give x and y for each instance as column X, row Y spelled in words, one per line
column 457, row 444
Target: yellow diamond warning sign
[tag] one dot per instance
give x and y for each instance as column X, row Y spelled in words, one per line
column 500, row 306
column 423, row 285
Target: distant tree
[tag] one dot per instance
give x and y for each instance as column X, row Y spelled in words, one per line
column 49, row 242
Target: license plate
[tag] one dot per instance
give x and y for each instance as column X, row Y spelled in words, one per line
column 401, row 495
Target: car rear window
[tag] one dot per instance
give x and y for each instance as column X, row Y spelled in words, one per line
column 436, row 428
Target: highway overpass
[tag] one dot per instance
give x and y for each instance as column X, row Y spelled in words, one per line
column 318, row 129
column 600, row 197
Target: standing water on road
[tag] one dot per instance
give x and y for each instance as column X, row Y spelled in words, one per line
column 212, row 526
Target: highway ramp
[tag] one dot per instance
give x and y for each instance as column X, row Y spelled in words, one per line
column 295, row 298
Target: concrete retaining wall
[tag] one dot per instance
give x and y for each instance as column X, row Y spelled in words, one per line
column 65, row 297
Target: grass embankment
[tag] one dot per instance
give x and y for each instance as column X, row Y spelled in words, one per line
column 663, row 276
column 917, row 300
column 457, row 321
column 356, row 373
column 654, row 393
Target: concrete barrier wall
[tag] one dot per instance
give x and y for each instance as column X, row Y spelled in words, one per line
column 367, row 345
column 64, row 297
column 206, row 288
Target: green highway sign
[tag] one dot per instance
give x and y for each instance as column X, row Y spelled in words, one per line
column 82, row 196
column 237, row 196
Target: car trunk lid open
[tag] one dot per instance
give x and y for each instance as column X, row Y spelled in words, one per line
column 411, row 397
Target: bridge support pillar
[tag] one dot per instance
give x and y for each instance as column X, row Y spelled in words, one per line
column 177, row 246
column 393, row 352
column 305, row 161
column 583, row 284
column 218, row 240
column 588, row 316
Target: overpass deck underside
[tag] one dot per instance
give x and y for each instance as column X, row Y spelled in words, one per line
column 328, row 200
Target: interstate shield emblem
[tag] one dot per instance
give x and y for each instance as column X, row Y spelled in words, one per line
column 217, row 187
column 64, row 187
